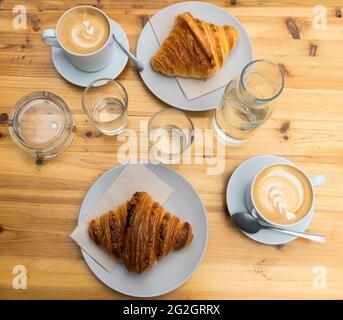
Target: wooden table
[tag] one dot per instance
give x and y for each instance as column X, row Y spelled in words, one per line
column 39, row 205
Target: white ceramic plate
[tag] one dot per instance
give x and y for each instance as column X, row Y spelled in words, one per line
column 177, row 267
column 239, row 180
column 167, row 88
column 81, row 78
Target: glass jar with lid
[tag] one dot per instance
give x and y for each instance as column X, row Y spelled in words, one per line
column 42, row 125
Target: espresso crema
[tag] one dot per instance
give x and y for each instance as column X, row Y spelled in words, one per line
column 83, row 30
column 282, row 194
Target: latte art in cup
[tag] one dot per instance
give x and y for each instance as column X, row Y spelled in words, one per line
column 282, row 194
column 83, row 30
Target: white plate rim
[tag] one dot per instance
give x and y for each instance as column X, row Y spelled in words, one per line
column 147, row 25
column 86, row 256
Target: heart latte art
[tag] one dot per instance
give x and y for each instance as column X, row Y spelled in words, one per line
column 282, row 194
column 83, row 30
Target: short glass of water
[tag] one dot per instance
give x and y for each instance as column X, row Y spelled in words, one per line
column 105, row 102
column 246, row 103
column 171, row 133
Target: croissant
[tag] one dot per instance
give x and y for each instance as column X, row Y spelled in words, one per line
column 140, row 232
column 194, row 48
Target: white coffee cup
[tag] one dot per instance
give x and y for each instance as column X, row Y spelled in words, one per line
column 89, row 62
column 250, row 203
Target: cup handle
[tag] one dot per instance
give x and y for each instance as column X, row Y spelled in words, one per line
column 316, row 181
column 49, row 37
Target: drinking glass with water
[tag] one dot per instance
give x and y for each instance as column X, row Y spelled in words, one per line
column 171, row 133
column 105, row 102
column 246, row 103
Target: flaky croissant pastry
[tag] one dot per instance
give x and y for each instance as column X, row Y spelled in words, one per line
column 194, row 48
column 140, row 232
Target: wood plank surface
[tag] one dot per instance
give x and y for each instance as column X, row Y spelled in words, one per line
column 39, row 205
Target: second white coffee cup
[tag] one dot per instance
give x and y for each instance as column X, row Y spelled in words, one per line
column 257, row 213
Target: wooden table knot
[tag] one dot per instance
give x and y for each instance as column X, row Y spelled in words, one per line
column 91, row 134
column 292, row 28
column 98, row 4
column 285, row 126
column 3, row 118
column 27, row 44
column 283, row 69
column 312, row 50
column 35, row 22
column 144, row 19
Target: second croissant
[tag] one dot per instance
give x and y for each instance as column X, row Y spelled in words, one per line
column 140, row 232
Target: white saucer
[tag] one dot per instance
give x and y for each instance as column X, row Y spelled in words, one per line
column 235, row 199
column 167, row 88
column 81, row 78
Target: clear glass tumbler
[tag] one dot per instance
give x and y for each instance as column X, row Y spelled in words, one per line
column 246, row 103
column 171, row 133
column 105, row 102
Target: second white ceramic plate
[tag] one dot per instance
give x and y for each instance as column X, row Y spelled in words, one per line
column 177, row 267
column 167, row 88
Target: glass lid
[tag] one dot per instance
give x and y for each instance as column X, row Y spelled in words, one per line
column 41, row 124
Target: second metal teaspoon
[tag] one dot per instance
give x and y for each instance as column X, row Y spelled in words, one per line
column 250, row 224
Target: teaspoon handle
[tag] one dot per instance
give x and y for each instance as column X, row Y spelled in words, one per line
column 139, row 65
column 313, row 237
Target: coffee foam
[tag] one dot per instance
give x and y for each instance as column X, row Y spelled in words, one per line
column 282, row 194
column 87, row 36
column 83, row 30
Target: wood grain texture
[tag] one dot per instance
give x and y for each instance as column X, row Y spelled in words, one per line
column 39, row 204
